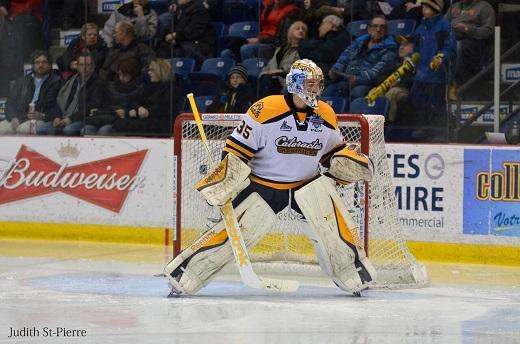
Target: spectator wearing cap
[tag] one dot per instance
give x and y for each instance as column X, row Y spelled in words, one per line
column 437, row 47
column 473, row 22
column 239, row 95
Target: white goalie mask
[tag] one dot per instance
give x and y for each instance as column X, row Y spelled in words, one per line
column 305, row 79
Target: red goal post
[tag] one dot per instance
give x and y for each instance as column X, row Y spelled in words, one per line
column 372, row 205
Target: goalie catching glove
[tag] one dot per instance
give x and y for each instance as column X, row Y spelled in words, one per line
column 225, row 181
column 350, row 165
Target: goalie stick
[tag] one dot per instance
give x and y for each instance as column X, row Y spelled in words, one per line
column 245, row 268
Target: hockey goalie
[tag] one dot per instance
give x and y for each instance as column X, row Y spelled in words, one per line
column 287, row 151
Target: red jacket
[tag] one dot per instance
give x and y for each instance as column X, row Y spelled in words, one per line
column 24, row 6
column 272, row 17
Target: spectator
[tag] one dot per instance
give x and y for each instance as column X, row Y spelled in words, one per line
column 192, row 34
column 312, row 14
column 399, row 91
column 274, row 12
column 139, row 13
column 352, row 10
column 355, row 71
column 239, row 95
column 272, row 78
column 11, row 62
column 82, row 93
column 156, row 104
column 27, row 19
column 32, row 98
column 126, row 46
column 331, row 41
column 437, row 47
column 473, row 22
column 409, row 9
column 88, row 41
column 124, row 94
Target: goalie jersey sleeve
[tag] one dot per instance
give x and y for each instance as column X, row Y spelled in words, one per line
column 283, row 146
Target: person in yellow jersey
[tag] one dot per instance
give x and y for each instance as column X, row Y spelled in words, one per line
column 287, row 151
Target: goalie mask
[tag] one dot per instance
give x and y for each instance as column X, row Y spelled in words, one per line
column 305, row 79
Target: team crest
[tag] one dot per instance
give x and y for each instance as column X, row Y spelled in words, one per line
column 285, row 126
column 316, row 123
column 256, row 108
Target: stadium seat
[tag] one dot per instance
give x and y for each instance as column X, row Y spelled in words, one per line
column 219, row 28
column 381, row 106
column 182, row 66
column 238, row 11
column 245, row 29
column 257, row 50
column 358, row 27
column 210, row 79
column 339, row 104
column 403, row 27
column 202, row 103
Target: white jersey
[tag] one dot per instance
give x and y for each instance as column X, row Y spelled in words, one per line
column 283, row 147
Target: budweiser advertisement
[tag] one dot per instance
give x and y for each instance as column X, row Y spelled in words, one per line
column 81, row 180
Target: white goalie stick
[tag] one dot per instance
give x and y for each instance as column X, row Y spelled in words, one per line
column 236, row 240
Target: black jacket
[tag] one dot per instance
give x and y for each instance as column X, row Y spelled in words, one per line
column 21, row 94
column 93, row 96
column 74, row 50
column 237, row 100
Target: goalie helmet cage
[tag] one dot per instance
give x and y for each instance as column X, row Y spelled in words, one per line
column 285, row 248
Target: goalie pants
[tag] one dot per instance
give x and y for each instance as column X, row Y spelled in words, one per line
column 277, row 199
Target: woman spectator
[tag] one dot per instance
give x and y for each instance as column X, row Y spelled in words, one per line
column 124, row 92
column 88, row 41
column 274, row 12
column 312, row 13
column 272, row 78
column 156, row 104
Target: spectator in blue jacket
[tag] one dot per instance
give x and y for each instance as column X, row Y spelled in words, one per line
column 356, row 70
column 437, row 46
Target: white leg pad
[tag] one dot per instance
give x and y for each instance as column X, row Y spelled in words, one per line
column 196, row 266
column 335, row 235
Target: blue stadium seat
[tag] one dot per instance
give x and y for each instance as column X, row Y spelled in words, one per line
column 381, row 106
column 245, row 29
column 403, row 27
column 202, row 103
column 219, row 28
column 339, row 104
column 257, row 50
column 182, row 66
column 210, row 79
column 358, row 27
column 254, row 66
column 237, row 11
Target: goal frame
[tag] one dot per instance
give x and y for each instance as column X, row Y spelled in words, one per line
column 177, row 151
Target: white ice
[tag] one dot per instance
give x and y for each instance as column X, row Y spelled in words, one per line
column 110, row 291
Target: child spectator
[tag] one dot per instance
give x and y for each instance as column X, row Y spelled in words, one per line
column 437, row 48
column 239, row 95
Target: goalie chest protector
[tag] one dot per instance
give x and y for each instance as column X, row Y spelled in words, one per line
column 284, row 146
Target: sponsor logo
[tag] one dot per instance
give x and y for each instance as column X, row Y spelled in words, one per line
column 499, row 185
column 105, row 183
column 513, row 74
column 110, row 6
column 284, row 145
column 68, row 38
column 434, row 166
column 285, row 126
column 316, row 122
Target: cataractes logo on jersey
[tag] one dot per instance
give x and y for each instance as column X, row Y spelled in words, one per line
column 105, row 183
column 285, row 145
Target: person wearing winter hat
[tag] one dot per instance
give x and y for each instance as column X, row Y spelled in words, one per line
column 238, row 96
column 437, row 47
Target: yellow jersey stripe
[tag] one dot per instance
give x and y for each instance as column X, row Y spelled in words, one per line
column 239, row 148
column 276, row 185
column 237, row 153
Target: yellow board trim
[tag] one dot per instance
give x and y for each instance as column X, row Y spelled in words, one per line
column 82, row 232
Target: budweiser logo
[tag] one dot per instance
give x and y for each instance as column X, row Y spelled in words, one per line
column 105, row 182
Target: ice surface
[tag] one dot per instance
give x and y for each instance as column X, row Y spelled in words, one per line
column 110, row 291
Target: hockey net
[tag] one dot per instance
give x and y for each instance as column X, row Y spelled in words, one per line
column 285, row 249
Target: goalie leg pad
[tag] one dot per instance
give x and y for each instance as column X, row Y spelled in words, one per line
column 225, row 181
column 350, row 165
column 196, row 266
column 335, row 235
